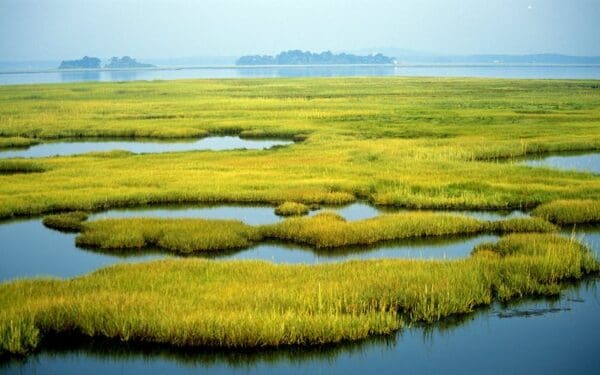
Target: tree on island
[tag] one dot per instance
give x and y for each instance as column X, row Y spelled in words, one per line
column 85, row 63
column 297, row 57
column 126, row 62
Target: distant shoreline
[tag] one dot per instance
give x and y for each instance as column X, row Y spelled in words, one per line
column 253, row 67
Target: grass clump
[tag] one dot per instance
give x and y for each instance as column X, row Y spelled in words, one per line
column 20, row 166
column 292, row 209
column 570, row 211
column 176, row 235
column 250, row 304
column 66, row 222
column 330, row 230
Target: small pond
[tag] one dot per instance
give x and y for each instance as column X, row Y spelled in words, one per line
column 142, row 146
column 588, row 162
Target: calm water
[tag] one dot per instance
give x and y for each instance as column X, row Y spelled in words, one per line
column 529, row 337
column 75, row 147
column 589, row 162
column 491, row 71
column 559, row 336
column 29, row 249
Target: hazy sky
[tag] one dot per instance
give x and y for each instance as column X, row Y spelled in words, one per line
column 35, row 29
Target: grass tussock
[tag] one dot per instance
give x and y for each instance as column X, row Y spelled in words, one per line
column 66, row 222
column 176, row 235
column 292, row 209
column 570, row 211
column 8, row 167
column 193, row 302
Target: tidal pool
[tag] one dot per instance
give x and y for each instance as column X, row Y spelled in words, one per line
column 589, row 162
column 142, row 146
column 534, row 336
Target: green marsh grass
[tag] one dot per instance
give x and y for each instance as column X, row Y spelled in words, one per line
column 407, row 142
column 324, row 230
column 17, row 142
column 8, row 167
column 66, row 222
column 177, row 235
column 292, row 209
column 250, row 304
column 584, row 211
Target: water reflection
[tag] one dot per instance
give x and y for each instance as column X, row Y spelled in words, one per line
column 142, row 146
column 491, row 71
column 561, row 335
column 587, row 162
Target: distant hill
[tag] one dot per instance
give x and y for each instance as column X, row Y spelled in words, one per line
column 126, row 62
column 297, row 57
column 85, row 63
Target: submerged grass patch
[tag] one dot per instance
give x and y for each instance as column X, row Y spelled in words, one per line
column 570, row 211
column 325, row 230
column 193, row 302
column 292, row 209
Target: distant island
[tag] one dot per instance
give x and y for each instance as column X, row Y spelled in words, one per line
column 87, row 62
column 297, row 57
column 126, row 62
column 84, row 63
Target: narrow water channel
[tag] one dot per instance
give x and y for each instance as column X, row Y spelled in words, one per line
column 140, row 146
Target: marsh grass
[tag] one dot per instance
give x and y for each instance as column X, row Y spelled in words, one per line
column 324, row 230
column 250, row 304
column 292, row 209
column 8, row 167
column 66, row 222
column 570, row 211
column 405, row 142
column 177, row 235
column 17, row 142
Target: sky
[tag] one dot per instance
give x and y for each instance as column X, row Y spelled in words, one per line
column 66, row 29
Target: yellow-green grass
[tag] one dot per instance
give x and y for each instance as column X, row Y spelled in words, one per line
column 66, row 222
column 17, row 142
column 325, row 230
column 19, row 166
column 177, row 235
column 291, row 209
column 414, row 142
column 570, row 211
column 193, row 302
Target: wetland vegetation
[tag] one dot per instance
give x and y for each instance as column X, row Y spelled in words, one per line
column 412, row 143
column 256, row 304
